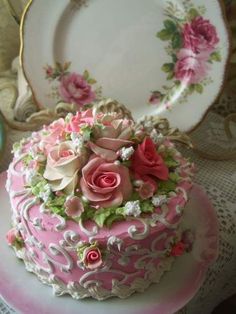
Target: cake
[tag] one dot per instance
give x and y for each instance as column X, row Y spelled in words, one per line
column 97, row 204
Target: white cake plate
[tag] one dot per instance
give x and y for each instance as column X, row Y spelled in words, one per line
column 23, row 291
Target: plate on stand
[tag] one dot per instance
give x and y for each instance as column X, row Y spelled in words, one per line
column 23, row 292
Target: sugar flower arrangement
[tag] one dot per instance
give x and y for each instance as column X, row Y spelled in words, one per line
column 100, row 167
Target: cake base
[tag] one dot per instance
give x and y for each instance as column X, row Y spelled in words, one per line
column 25, row 293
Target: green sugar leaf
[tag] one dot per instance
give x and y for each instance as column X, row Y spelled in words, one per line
column 146, row 206
column 113, row 218
column 166, row 187
column 170, row 162
column 174, row 177
column 101, row 215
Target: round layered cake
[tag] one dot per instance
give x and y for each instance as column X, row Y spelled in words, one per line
column 97, row 203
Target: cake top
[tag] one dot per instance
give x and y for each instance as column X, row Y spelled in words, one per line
column 102, row 167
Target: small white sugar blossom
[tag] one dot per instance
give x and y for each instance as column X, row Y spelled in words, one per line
column 32, row 177
column 132, row 208
column 126, row 153
column 158, row 200
column 45, row 193
column 77, row 140
column 157, row 138
column 33, row 151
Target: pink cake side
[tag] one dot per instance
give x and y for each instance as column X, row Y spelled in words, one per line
column 131, row 254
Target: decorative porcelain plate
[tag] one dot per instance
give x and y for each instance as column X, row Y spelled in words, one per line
column 157, row 57
column 25, row 293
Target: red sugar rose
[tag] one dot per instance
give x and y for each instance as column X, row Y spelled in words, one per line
column 178, row 249
column 147, row 164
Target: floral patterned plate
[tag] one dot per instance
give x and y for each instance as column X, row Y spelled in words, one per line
column 25, row 293
column 157, row 57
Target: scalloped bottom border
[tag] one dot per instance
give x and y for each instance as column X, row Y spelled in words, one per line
column 78, row 292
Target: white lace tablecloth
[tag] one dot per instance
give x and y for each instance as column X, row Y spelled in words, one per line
column 218, row 178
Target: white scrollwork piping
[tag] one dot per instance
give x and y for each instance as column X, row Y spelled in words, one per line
column 62, row 222
column 89, row 233
column 57, row 250
column 135, row 234
column 70, row 241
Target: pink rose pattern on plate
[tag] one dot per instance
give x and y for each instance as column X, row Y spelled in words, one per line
column 193, row 48
column 71, row 87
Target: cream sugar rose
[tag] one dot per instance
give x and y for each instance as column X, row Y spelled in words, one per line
column 97, row 205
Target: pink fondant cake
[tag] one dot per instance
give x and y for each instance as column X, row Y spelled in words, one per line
column 97, row 205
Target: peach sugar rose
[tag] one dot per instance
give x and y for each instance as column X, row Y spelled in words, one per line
column 63, row 164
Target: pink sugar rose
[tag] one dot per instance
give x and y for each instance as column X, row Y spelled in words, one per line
column 92, row 258
column 191, row 68
column 146, row 190
column 200, row 35
column 147, row 164
column 56, row 132
column 11, row 236
column 81, row 118
column 74, row 206
column 75, row 89
column 105, row 184
column 63, row 164
column 113, row 135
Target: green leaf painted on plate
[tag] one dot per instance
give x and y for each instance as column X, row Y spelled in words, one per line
column 170, row 76
column 91, row 81
column 168, row 67
column 86, row 75
column 176, row 41
column 193, row 13
column 199, row 88
column 164, row 34
column 170, row 26
column 191, row 88
column 215, row 56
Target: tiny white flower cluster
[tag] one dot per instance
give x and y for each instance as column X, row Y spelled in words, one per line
column 32, row 177
column 157, row 138
column 36, row 153
column 77, row 140
column 33, row 151
column 126, row 153
column 159, row 200
column 45, row 193
column 132, row 208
